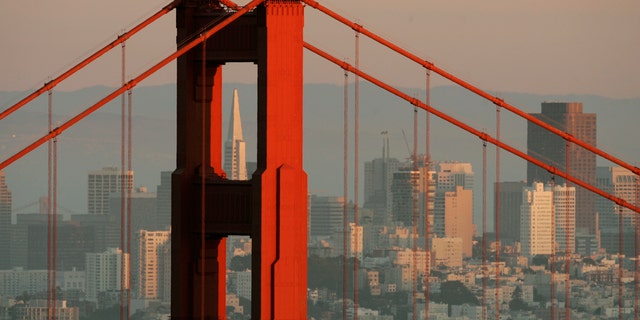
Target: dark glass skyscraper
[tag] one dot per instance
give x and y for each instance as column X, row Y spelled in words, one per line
column 5, row 222
column 552, row 149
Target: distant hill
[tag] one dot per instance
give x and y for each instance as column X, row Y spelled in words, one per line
column 95, row 142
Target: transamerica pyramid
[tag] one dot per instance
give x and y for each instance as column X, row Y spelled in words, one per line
column 234, row 147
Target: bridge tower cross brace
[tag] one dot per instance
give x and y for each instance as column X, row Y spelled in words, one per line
column 271, row 208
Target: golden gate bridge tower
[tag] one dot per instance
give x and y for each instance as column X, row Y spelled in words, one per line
column 271, row 207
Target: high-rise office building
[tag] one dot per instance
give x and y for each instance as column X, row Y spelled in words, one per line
column 148, row 278
column 326, row 216
column 405, row 189
column 510, row 197
column 548, row 219
column 453, row 216
column 450, row 175
column 453, row 203
column 163, row 201
column 378, row 179
column 5, row 223
column 564, row 204
column 537, row 224
column 235, row 164
column 143, row 209
column 102, row 183
column 552, row 149
column 621, row 183
column 104, row 272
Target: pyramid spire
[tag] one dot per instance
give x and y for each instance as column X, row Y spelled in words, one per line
column 234, row 147
column 235, row 123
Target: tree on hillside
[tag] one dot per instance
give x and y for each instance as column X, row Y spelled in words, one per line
column 454, row 292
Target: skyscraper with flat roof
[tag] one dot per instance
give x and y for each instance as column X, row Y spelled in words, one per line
column 5, row 222
column 147, row 280
column 621, row 183
column 104, row 272
column 510, row 200
column 235, row 163
column 102, row 183
column 552, row 149
column 547, row 219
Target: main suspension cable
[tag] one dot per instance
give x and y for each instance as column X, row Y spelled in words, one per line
column 495, row 100
column 123, row 37
column 132, row 83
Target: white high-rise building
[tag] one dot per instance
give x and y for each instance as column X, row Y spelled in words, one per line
column 101, row 184
column 548, row 218
column 450, row 175
column 235, row 164
column 104, row 272
column 536, row 220
column 564, row 203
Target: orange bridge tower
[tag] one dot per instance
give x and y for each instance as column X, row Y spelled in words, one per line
column 271, row 207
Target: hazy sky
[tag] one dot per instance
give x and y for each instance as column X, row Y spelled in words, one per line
column 554, row 47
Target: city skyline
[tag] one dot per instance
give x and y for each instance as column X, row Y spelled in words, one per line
column 283, row 253
column 317, row 183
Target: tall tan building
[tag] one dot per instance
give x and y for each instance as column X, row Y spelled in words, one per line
column 149, row 280
column 552, row 149
column 458, row 217
column 447, row 252
column 453, row 203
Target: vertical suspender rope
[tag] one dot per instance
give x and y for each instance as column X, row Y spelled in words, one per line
column 567, row 238
column 484, row 230
column 637, row 264
column 123, row 190
column 129, row 191
column 427, row 248
column 620, row 247
column 55, row 227
column 202, row 180
column 356, row 130
column 553, row 246
column 414, row 193
column 497, row 219
column 49, row 212
column 345, row 190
